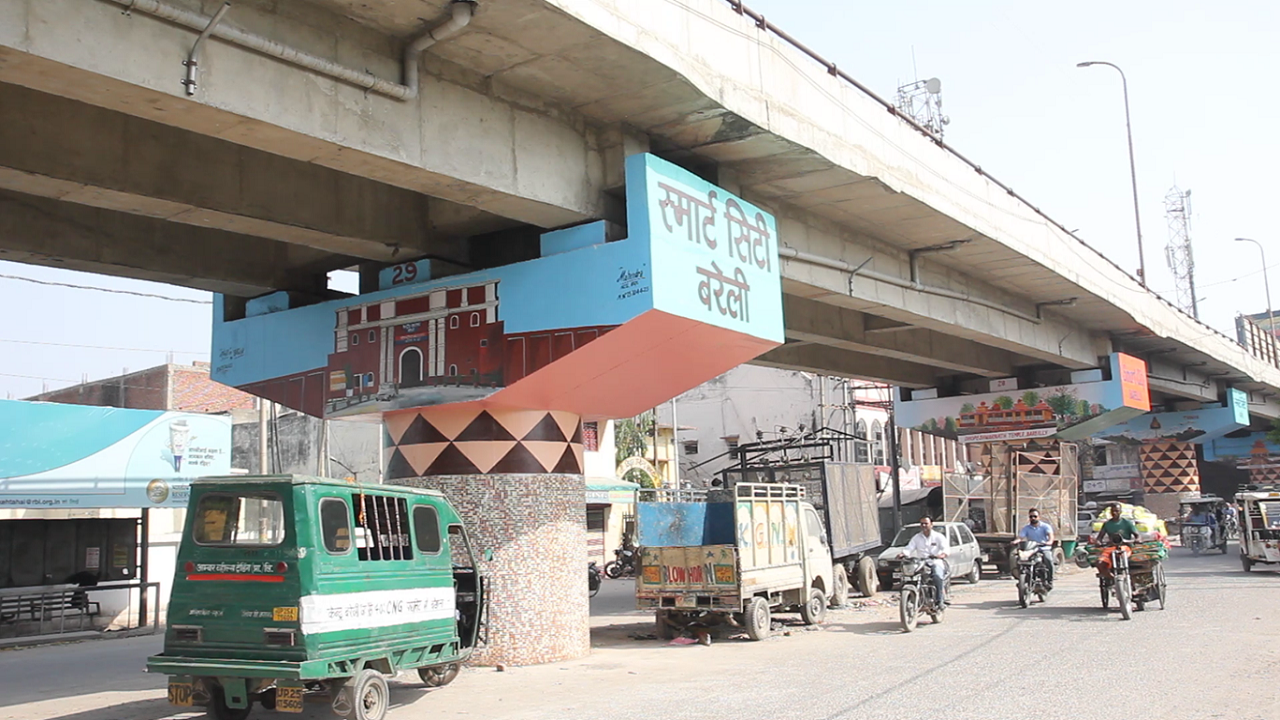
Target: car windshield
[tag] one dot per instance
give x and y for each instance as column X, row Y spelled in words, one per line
column 905, row 535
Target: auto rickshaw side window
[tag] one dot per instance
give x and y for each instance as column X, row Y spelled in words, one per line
column 382, row 527
column 228, row 520
column 335, row 525
column 426, row 526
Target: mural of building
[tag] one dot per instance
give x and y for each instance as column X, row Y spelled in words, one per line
column 483, row 381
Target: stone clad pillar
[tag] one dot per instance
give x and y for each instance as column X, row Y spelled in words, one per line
column 515, row 477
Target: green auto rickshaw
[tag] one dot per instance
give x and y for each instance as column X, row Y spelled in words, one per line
column 288, row 586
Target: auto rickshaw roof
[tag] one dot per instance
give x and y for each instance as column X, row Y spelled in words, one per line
column 1202, row 500
column 225, row 480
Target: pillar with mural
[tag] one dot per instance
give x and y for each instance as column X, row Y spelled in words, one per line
column 1027, row 440
column 1168, row 466
column 482, row 380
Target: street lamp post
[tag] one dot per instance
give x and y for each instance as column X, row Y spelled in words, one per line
column 1133, row 172
column 1266, row 283
column 354, row 475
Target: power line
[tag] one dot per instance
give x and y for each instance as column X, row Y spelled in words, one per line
column 106, row 290
column 104, row 347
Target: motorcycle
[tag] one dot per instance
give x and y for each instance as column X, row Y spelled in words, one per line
column 1120, row 584
column 918, row 595
column 1197, row 537
column 1230, row 528
column 593, row 579
column 1033, row 572
column 623, row 564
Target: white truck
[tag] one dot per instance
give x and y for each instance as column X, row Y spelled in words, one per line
column 737, row 558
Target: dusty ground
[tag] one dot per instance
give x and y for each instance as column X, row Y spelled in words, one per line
column 1214, row 653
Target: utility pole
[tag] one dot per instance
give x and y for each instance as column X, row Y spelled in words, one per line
column 1177, row 214
column 262, row 437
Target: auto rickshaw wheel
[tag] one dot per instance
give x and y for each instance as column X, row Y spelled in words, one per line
column 369, row 695
column 218, row 709
column 439, row 675
column 1246, row 562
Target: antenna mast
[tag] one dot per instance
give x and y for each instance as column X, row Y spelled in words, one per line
column 922, row 101
column 1177, row 213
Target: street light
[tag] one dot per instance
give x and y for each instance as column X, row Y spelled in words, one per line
column 354, row 475
column 1133, row 173
column 1271, row 318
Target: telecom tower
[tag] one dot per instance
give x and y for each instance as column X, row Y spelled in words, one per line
column 1177, row 213
column 922, row 101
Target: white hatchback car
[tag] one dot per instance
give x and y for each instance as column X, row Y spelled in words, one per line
column 964, row 556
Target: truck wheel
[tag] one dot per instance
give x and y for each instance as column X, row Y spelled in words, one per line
column 369, row 695
column 840, row 597
column 438, row 675
column 662, row 625
column 814, row 611
column 756, row 618
column 865, row 577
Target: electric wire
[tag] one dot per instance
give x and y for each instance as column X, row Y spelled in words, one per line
column 154, row 296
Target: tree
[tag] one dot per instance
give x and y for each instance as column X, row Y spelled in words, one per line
column 641, row 478
column 632, row 436
column 951, row 427
column 1004, row 402
column 1063, row 403
column 1273, row 435
column 1084, row 408
column 967, row 408
column 933, row 425
column 1031, row 398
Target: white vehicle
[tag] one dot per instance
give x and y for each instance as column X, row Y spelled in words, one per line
column 1084, row 524
column 964, row 557
column 1259, row 527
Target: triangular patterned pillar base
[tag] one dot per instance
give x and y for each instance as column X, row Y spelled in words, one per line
column 515, row 477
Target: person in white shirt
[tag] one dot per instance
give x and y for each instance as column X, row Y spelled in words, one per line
column 933, row 547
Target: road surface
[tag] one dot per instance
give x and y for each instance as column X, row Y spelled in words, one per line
column 1214, row 653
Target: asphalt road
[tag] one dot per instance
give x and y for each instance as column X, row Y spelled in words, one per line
column 1214, row 653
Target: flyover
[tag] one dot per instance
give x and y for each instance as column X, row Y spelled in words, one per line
column 304, row 136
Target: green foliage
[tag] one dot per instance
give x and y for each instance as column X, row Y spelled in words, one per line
column 1084, row 408
column 967, row 408
column 641, row 478
column 1273, row 435
column 632, row 436
column 950, row 426
column 1031, row 398
column 1004, row 402
column 933, row 425
column 1063, row 404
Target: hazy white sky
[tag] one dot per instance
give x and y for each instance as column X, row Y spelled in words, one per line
column 1200, row 91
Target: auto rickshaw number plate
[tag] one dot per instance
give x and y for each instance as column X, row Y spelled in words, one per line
column 284, row 614
column 289, row 699
column 180, row 694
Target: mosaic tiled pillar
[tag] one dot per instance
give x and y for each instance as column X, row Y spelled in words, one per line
column 1169, row 473
column 516, row 479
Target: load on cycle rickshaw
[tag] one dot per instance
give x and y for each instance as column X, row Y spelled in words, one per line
column 1127, row 547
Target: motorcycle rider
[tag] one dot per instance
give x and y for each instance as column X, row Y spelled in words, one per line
column 933, row 547
column 1041, row 532
column 1116, row 527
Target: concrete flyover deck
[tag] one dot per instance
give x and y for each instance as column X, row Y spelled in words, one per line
column 902, row 261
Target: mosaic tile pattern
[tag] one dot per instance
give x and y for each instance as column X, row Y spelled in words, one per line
column 463, row 440
column 538, row 610
column 1169, row 466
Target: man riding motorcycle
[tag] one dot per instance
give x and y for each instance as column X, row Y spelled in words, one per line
column 1202, row 515
column 1040, row 532
column 1115, row 528
column 933, row 547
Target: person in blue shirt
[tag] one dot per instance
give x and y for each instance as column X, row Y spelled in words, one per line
column 1041, row 532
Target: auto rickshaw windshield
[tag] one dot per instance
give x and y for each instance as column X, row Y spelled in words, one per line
column 1270, row 514
column 226, row 520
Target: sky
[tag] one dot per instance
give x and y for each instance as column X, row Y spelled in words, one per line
column 1200, row 96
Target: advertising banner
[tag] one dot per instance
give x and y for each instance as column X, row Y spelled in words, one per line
column 76, row 456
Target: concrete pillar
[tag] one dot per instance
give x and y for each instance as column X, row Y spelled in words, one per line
column 515, row 477
column 1169, row 473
